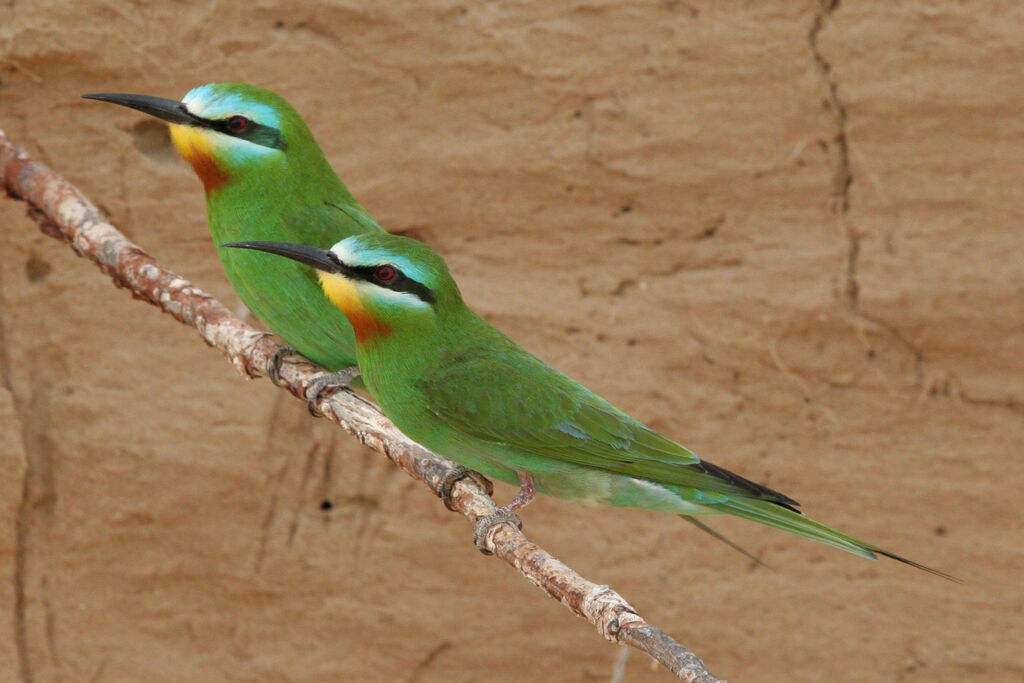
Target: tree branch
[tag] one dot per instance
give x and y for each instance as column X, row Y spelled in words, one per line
column 64, row 213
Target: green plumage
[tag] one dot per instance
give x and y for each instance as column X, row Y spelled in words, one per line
column 269, row 181
column 457, row 385
column 314, row 327
column 294, row 196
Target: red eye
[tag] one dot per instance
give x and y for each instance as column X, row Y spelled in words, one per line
column 384, row 273
column 236, row 124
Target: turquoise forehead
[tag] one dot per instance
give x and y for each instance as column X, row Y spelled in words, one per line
column 221, row 100
column 412, row 257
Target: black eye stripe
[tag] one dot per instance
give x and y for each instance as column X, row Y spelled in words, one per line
column 253, row 132
column 400, row 282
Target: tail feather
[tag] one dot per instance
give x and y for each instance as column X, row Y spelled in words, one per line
column 918, row 565
column 785, row 519
column 708, row 530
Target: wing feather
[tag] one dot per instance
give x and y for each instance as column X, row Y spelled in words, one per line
column 507, row 397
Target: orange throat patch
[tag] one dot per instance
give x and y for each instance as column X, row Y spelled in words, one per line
column 343, row 294
column 194, row 145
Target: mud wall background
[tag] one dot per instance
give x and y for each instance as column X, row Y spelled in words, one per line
column 787, row 235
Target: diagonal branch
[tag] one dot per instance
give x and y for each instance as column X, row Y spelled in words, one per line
column 65, row 214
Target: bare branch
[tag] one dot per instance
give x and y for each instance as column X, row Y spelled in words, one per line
column 64, row 213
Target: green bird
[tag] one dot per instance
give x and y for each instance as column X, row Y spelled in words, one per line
column 455, row 384
column 266, row 179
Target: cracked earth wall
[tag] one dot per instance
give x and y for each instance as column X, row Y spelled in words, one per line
column 786, row 234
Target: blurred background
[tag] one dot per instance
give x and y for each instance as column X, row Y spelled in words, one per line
column 786, row 234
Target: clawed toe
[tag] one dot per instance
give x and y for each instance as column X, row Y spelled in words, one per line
column 274, row 367
column 484, row 526
column 334, row 380
column 455, row 474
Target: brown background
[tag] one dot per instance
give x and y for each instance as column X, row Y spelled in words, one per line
column 789, row 237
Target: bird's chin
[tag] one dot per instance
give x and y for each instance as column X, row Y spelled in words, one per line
column 196, row 145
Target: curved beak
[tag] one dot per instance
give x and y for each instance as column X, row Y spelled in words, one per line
column 160, row 107
column 321, row 259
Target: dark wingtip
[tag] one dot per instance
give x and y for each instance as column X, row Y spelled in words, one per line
column 748, row 487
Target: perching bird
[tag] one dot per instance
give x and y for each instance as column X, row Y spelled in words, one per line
column 455, row 384
column 266, row 179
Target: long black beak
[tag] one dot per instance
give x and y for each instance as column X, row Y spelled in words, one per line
column 321, row 259
column 160, row 107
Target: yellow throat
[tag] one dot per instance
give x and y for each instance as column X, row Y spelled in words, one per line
column 196, row 145
column 344, row 294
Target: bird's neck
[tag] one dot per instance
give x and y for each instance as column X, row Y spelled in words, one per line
column 395, row 363
column 279, row 199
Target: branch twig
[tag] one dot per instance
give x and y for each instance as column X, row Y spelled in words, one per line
column 64, row 213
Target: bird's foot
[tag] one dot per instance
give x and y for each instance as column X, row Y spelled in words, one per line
column 454, row 475
column 333, row 380
column 274, row 367
column 484, row 526
column 527, row 492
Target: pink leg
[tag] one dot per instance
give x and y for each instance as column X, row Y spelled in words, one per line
column 527, row 492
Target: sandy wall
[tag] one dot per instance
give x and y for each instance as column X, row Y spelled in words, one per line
column 788, row 236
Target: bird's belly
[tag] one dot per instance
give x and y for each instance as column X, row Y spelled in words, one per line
column 555, row 478
column 605, row 489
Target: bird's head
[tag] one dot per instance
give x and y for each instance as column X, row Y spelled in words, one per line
column 383, row 283
column 228, row 130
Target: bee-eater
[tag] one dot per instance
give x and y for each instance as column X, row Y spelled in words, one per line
column 266, row 179
column 455, row 384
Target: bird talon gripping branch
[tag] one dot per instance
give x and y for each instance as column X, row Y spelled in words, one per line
column 506, row 513
column 274, row 366
column 484, row 526
column 454, row 475
column 329, row 380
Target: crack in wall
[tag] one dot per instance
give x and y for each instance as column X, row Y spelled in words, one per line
column 1010, row 403
column 842, row 181
column 427, row 661
column 842, row 178
column 35, row 509
column 37, row 497
column 275, row 433
column 21, row 522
